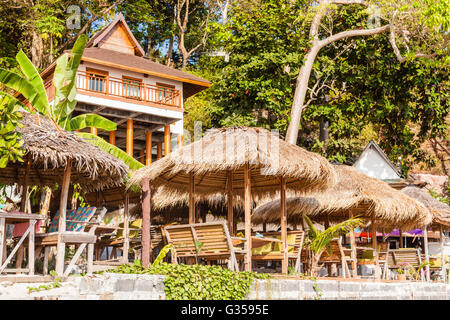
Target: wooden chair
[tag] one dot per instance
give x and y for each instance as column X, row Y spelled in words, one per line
column 209, row 241
column 338, row 255
column 77, row 221
column 294, row 255
column 410, row 256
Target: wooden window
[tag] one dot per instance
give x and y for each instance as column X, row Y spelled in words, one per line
column 132, row 87
column 97, row 79
column 166, row 93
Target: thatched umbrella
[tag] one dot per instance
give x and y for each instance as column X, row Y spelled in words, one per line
column 441, row 219
column 238, row 161
column 354, row 194
column 55, row 156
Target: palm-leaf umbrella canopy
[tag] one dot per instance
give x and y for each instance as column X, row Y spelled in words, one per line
column 226, row 150
column 439, row 210
column 365, row 196
column 50, row 149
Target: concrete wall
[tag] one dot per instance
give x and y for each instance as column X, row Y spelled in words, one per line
column 151, row 287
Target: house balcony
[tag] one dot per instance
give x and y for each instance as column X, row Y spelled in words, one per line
column 128, row 90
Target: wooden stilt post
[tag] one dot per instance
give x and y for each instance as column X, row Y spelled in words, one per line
column 126, row 230
column 247, row 215
column 283, row 216
column 230, row 202
column 94, row 131
column 146, row 220
column 353, row 244
column 148, row 148
column 375, row 250
column 179, row 141
column 61, row 247
column 443, row 262
column 401, row 237
column 158, row 150
column 23, row 207
column 427, row 256
column 129, row 147
column 112, row 137
column 166, row 140
column 191, row 199
column 142, row 156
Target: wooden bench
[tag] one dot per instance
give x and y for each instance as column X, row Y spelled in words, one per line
column 210, row 241
column 295, row 254
column 337, row 254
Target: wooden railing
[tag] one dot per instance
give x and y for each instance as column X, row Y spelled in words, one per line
column 128, row 89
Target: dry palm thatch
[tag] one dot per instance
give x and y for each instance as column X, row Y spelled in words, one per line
column 228, row 150
column 50, row 149
column 365, row 196
column 439, row 210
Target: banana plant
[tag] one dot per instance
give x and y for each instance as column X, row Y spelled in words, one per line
column 318, row 241
column 31, row 86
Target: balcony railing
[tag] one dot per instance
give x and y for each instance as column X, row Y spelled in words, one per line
column 128, row 89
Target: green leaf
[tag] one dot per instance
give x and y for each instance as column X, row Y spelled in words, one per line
column 91, row 120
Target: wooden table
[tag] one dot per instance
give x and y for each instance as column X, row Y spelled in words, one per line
column 14, row 218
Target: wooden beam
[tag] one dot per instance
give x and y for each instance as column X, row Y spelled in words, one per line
column 61, row 247
column 230, row 203
column 375, row 249
column 158, row 150
column 146, row 220
column 427, row 255
column 353, row 245
column 248, row 222
column 283, row 225
column 129, row 147
column 443, row 261
column 25, row 183
column 94, row 131
column 180, row 142
column 126, row 230
column 191, row 199
column 142, row 156
column 148, row 148
column 166, row 140
column 112, row 137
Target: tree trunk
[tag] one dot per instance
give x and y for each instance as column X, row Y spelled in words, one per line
column 315, row 263
column 37, row 49
column 324, row 125
column 169, row 51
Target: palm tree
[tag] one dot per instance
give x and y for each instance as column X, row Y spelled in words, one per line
column 31, row 86
column 318, row 241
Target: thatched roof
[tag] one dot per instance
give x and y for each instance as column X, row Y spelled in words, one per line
column 230, row 149
column 439, row 210
column 50, row 149
column 365, row 196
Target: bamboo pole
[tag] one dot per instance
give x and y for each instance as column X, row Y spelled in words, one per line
column 230, row 202
column 191, row 199
column 146, row 220
column 148, row 148
column 61, row 247
column 443, row 262
column 353, row 244
column 126, row 230
column 427, row 256
column 375, row 251
column 248, row 222
column 283, row 216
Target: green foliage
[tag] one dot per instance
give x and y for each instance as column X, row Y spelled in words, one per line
column 56, row 284
column 11, row 146
column 196, row 282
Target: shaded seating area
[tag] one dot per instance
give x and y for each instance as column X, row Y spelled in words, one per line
column 236, row 162
column 55, row 158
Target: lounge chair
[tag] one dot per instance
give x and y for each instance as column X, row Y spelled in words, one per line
column 337, row 254
column 272, row 250
column 410, row 256
column 209, row 241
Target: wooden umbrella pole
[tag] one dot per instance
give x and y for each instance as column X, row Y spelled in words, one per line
column 126, row 229
column 443, row 262
column 192, row 210
column 25, row 183
column 375, row 251
column 283, row 213
column 353, row 244
column 427, row 256
column 146, row 218
column 230, row 202
column 247, row 215
column 61, row 247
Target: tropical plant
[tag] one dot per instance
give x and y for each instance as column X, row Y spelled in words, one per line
column 10, row 143
column 318, row 241
column 31, row 86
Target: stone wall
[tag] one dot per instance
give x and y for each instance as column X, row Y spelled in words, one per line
column 151, row 287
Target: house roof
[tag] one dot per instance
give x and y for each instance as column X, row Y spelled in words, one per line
column 373, row 145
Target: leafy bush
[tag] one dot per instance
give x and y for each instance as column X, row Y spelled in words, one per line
column 196, row 282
